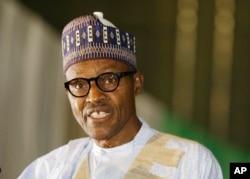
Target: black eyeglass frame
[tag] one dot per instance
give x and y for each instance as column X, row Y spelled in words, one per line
column 119, row 75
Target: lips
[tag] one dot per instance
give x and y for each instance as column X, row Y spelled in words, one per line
column 98, row 113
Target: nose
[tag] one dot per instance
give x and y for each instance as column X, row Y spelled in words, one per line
column 95, row 95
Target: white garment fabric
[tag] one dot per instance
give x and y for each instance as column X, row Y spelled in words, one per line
column 196, row 163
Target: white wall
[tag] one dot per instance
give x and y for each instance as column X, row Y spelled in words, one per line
column 32, row 99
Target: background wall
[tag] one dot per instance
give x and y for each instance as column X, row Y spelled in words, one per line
column 194, row 55
column 33, row 113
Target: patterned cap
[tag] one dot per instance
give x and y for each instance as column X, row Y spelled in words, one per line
column 92, row 37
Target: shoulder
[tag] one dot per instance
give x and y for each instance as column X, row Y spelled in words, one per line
column 56, row 159
column 175, row 142
column 184, row 144
column 72, row 147
column 197, row 161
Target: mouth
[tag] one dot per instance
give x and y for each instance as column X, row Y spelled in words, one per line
column 98, row 114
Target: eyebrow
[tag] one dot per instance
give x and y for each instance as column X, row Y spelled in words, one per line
column 99, row 72
column 109, row 68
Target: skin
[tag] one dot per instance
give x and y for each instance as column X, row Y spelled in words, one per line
column 119, row 124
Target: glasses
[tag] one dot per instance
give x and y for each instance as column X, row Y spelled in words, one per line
column 106, row 82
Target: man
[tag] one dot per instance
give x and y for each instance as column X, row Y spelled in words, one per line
column 102, row 82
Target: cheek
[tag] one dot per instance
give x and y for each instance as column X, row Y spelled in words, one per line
column 125, row 101
column 77, row 106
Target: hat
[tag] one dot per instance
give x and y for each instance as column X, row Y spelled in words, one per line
column 93, row 37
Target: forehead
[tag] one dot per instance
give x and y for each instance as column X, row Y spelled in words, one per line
column 92, row 68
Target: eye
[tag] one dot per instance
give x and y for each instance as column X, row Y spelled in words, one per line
column 109, row 79
column 107, row 82
column 79, row 84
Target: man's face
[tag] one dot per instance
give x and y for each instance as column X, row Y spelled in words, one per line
column 105, row 115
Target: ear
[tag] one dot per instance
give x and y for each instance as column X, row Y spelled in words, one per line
column 138, row 83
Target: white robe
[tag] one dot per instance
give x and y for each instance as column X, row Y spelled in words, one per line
column 197, row 161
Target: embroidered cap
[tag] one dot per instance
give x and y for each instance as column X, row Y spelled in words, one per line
column 93, row 37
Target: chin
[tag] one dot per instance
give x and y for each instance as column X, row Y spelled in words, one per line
column 98, row 135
